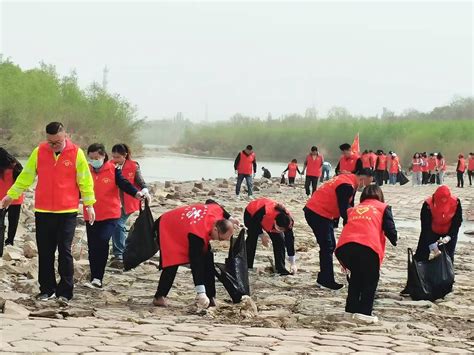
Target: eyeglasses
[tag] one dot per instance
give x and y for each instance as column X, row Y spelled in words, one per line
column 56, row 143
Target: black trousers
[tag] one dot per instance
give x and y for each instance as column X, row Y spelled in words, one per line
column 470, row 174
column 168, row 275
column 291, row 180
column 460, row 177
column 98, row 238
column 425, row 177
column 55, row 231
column 313, row 181
column 281, row 242
column 13, row 219
column 363, row 263
column 323, row 230
column 379, row 177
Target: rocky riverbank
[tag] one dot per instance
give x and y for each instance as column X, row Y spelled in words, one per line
column 276, row 302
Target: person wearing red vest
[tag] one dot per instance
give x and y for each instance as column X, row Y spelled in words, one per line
column 10, row 168
column 470, row 168
column 63, row 177
column 322, row 212
column 265, row 215
column 380, row 167
column 460, row 170
column 108, row 181
column 416, row 166
column 349, row 162
column 366, row 159
column 361, row 249
column 122, row 157
column 245, row 166
column 292, row 169
column 441, row 216
column 432, row 168
column 313, row 168
column 424, row 169
column 184, row 236
column 373, row 159
column 440, row 168
column 394, row 168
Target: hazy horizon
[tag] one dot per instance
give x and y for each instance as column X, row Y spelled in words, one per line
column 252, row 58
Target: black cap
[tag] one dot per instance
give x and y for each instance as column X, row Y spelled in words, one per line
column 345, row 146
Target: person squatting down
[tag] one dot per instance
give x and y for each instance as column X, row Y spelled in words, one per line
column 184, row 236
column 264, row 214
column 361, row 249
column 322, row 212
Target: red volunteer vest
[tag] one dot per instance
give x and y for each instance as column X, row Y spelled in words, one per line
column 394, row 165
column 348, row 164
column 268, row 221
column 364, row 226
column 462, row 165
column 313, row 166
column 431, row 163
column 175, row 226
column 5, row 183
column 107, row 205
column 324, row 200
column 382, row 162
column 416, row 165
column 470, row 165
column 441, row 222
column 424, row 167
column 441, row 164
column 57, row 188
column 373, row 159
column 130, row 203
column 246, row 163
column 366, row 161
column 292, row 169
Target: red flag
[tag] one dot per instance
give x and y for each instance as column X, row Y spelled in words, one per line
column 355, row 145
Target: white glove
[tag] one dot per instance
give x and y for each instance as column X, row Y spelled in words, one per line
column 293, row 268
column 202, row 301
column 146, row 194
column 139, row 195
column 91, row 213
column 446, row 239
column 5, row 202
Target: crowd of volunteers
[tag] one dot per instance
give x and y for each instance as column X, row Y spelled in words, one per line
column 112, row 189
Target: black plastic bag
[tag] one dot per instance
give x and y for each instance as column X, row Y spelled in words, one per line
column 3, row 212
column 234, row 274
column 402, row 178
column 141, row 243
column 430, row 279
column 283, row 179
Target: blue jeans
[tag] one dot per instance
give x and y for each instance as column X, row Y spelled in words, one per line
column 249, row 181
column 119, row 236
column 393, row 178
column 325, row 174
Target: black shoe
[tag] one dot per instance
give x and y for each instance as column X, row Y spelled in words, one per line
column 9, row 242
column 330, row 286
column 405, row 292
column 45, row 296
column 284, row 272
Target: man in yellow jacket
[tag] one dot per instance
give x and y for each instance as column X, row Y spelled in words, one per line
column 63, row 177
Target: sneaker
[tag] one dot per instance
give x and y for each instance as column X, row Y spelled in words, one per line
column 405, row 292
column 160, row 301
column 62, row 301
column 284, row 273
column 96, row 283
column 45, row 296
column 333, row 286
column 363, row 318
column 9, row 242
column 212, row 302
column 116, row 263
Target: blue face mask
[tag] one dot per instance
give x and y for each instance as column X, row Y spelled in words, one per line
column 96, row 164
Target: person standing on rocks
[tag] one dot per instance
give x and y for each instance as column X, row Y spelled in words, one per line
column 184, row 236
column 292, row 169
column 245, row 166
column 264, row 214
column 394, row 168
column 361, row 249
column 313, row 167
column 322, row 213
column 380, row 167
column 349, row 162
column 440, row 168
column 460, row 170
column 122, row 157
column 470, row 168
column 63, row 175
column 108, row 181
column 10, row 168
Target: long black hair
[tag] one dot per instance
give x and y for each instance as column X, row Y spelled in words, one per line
column 122, row 149
column 98, row 147
column 283, row 219
column 8, row 161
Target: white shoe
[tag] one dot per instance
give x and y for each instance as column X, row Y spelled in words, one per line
column 363, row 318
column 96, row 283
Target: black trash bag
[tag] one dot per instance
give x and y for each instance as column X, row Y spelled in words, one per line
column 402, row 178
column 141, row 243
column 3, row 212
column 283, row 179
column 234, row 274
column 431, row 279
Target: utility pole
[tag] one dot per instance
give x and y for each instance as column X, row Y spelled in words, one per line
column 105, row 74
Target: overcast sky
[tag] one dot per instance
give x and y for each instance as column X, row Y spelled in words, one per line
column 252, row 57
